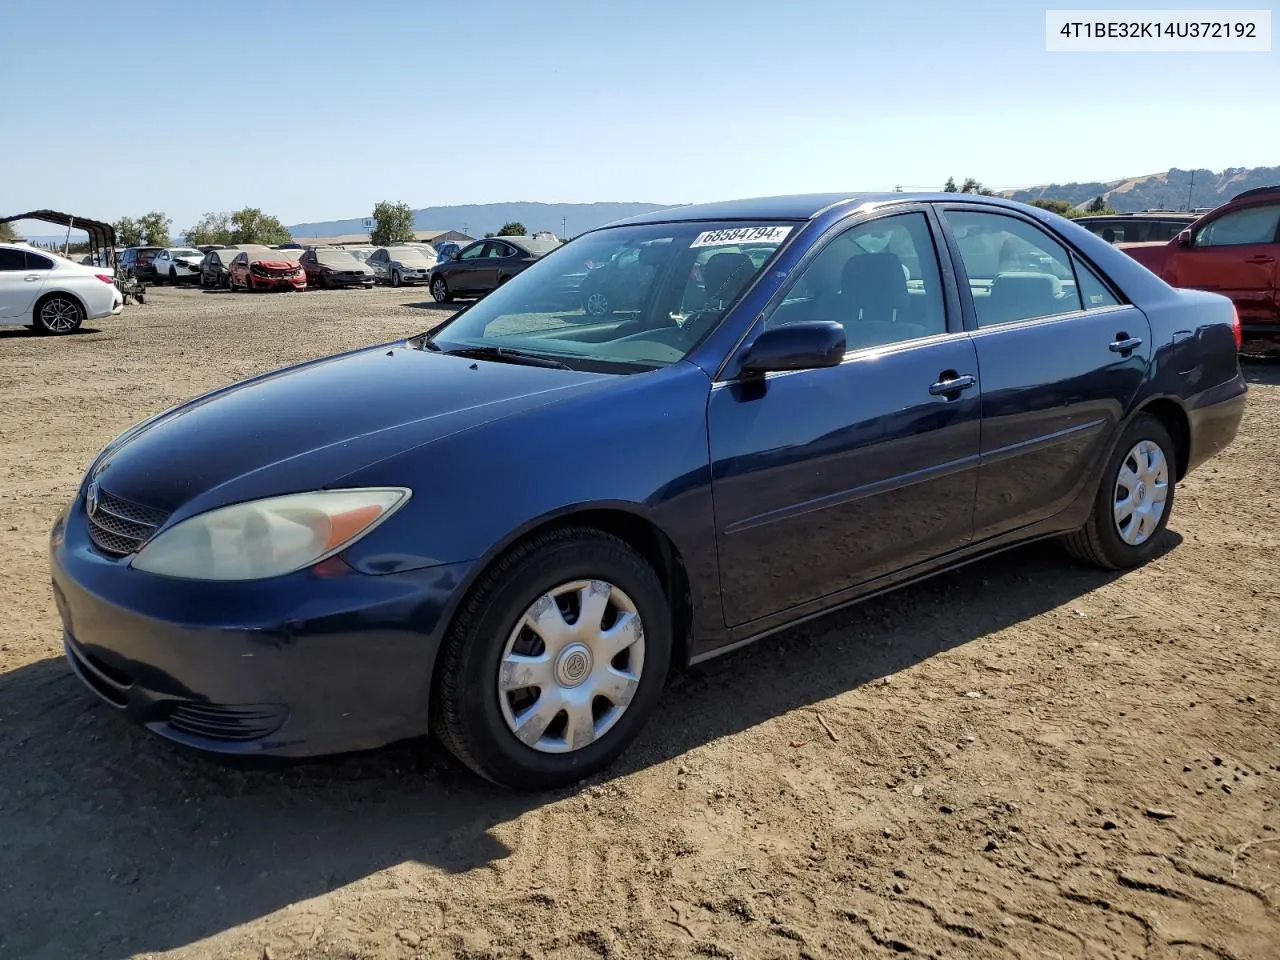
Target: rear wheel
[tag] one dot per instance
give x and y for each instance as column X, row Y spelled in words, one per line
column 440, row 291
column 1134, row 500
column 57, row 314
column 597, row 305
column 555, row 661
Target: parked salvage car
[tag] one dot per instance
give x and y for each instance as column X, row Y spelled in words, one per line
column 215, row 267
column 328, row 267
column 1233, row 250
column 1142, row 227
column 177, row 264
column 138, row 262
column 266, row 270
column 51, row 293
column 510, row 530
column 485, row 265
column 398, row 265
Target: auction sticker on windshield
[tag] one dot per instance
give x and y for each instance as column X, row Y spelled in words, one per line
column 763, row 234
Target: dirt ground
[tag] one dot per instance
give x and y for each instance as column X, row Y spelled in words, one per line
column 1025, row 758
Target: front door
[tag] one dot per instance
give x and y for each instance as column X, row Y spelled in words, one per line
column 464, row 276
column 826, row 479
column 22, row 277
column 1061, row 361
column 1236, row 255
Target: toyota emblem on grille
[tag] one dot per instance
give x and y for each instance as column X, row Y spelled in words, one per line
column 91, row 499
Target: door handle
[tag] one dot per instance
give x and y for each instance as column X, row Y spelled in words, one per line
column 34, row 276
column 1260, row 258
column 1125, row 344
column 952, row 385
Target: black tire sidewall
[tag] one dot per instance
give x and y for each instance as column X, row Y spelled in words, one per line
column 39, row 323
column 443, row 295
column 494, row 749
column 1116, row 551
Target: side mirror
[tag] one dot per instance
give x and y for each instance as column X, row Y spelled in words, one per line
column 1183, row 239
column 796, row 346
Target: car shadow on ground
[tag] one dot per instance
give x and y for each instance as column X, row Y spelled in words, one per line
column 1264, row 371
column 19, row 333
column 168, row 847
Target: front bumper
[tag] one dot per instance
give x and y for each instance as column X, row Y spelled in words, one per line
column 278, row 283
column 300, row 665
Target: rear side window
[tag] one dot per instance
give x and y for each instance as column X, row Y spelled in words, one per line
column 1250, row 225
column 1015, row 270
column 1093, row 291
column 37, row 262
column 12, row 260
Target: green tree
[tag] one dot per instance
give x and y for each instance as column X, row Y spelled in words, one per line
column 950, row 186
column 211, row 228
column 513, row 229
column 971, row 185
column 1062, row 208
column 1098, row 204
column 490, row 234
column 128, row 232
column 7, row 233
column 155, row 228
column 251, row 225
column 392, row 223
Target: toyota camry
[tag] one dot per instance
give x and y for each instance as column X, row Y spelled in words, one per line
column 510, row 530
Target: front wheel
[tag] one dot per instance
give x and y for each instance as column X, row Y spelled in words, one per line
column 597, row 305
column 395, row 279
column 440, row 291
column 555, row 661
column 1134, row 500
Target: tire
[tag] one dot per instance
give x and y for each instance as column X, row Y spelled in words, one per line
column 440, row 291
column 57, row 314
column 1100, row 542
column 395, row 279
column 173, row 276
column 474, row 720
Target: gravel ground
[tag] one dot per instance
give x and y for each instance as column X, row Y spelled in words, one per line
column 1025, row 758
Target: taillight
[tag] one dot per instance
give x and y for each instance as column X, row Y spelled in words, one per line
column 105, row 278
column 1235, row 327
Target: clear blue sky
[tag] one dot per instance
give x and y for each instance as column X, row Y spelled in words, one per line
column 316, row 109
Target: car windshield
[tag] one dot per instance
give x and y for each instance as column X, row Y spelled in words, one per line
column 184, row 252
column 629, row 297
column 411, row 255
column 338, row 258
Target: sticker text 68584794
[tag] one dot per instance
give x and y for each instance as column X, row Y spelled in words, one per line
column 761, row 234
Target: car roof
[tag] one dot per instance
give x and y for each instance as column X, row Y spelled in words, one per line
column 800, row 206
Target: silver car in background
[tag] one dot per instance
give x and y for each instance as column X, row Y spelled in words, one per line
column 398, row 265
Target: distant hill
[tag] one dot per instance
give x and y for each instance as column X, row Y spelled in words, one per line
column 1167, row 190
column 478, row 219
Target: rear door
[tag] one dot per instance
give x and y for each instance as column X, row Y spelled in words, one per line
column 826, row 479
column 1061, row 356
column 464, row 274
column 1235, row 254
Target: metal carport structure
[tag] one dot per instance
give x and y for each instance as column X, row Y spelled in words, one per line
column 102, row 236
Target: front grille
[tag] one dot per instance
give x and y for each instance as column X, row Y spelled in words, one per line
column 119, row 527
column 223, row 722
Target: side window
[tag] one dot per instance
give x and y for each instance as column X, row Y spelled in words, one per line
column 1015, row 271
column 37, row 262
column 879, row 280
column 1093, row 291
column 1250, row 225
column 11, row 259
column 473, row 252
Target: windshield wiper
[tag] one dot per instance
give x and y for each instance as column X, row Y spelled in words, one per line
column 506, row 355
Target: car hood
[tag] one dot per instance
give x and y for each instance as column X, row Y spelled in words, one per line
column 412, row 265
column 274, row 264
column 308, row 426
column 190, row 261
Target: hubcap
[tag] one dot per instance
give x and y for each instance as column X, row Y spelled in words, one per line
column 571, row 666
column 59, row 315
column 437, row 290
column 1142, row 489
column 597, row 304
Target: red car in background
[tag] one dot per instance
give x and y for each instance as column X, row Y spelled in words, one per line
column 266, row 270
column 1233, row 250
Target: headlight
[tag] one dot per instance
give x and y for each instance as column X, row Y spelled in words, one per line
column 268, row 538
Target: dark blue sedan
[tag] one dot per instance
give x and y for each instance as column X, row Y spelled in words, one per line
column 511, row 530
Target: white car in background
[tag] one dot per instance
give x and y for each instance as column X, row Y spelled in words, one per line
column 51, row 293
column 175, row 264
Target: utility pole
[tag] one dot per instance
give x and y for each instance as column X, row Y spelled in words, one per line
column 1191, row 188
column 564, row 228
